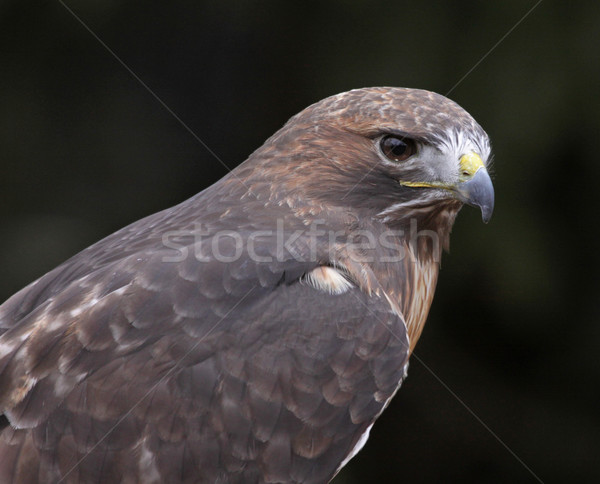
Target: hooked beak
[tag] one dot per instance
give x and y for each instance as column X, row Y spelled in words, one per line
column 473, row 188
column 476, row 189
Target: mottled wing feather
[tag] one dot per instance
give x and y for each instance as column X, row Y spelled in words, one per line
column 146, row 371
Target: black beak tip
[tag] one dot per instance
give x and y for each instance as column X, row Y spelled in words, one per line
column 486, row 213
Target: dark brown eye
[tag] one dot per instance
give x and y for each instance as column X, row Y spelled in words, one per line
column 397, row 148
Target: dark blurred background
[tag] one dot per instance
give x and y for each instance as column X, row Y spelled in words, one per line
column 514, row 331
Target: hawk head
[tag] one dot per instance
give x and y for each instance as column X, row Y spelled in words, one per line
column 395, row 154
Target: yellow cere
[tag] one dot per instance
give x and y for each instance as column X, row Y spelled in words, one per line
column 469, row 165
column 423, row 184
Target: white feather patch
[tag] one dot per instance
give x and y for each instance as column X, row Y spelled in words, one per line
column 359, row 445
column 327, row 279
column 147, row 464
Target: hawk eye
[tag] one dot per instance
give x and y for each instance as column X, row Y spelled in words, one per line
column 396, row 148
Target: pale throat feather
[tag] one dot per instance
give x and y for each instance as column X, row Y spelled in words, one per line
column 412, row 294
column 416, row 304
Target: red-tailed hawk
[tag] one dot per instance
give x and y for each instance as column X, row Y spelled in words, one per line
column 256, row 331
